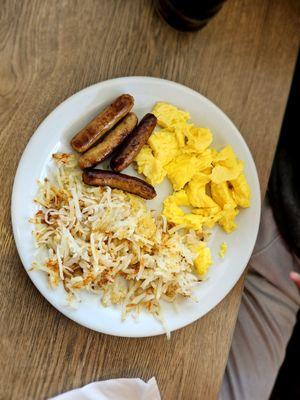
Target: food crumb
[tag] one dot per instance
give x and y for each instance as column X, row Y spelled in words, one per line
column 223, row 250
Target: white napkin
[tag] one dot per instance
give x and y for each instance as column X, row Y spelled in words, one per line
column 115, row 389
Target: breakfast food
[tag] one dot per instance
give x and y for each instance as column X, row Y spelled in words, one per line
column 130, row 184
column 95, row 226
column 107, row 242
column 223, row 250
column 133, row 144
column 94, row 154
column 112, row 140
column 102, row 123
column 211, row 183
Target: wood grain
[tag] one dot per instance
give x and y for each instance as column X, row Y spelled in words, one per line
column 243, row 61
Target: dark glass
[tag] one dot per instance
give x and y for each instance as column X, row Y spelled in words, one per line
column 188, row 15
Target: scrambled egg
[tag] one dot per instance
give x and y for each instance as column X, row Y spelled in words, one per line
column 198, row 139
column 175, row 214
column 182, row 169
column 223, row 250
column 203, row 261
column 168, row 115
column 148, row 165
column 241, row 191
column 210, row 183
column 227, row 166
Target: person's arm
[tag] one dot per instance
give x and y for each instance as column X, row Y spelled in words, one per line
column 295, row 277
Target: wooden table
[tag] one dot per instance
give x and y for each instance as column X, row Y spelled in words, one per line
column 243, row 61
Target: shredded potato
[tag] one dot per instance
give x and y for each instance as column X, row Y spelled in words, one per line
column 107, row 241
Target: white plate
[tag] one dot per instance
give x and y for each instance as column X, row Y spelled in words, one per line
column 54, row 135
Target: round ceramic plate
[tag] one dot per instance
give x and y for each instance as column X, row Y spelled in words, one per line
column 54, row 135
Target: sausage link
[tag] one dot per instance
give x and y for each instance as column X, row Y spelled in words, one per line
column 133, row 144
column 112, row 140
column 97, row 177
column 94, row 130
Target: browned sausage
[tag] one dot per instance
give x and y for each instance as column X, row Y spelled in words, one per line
column 102, row 123
column 133, row 144
column 114, row 138
column 98, row 177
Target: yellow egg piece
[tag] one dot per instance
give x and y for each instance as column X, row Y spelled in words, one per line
column 196, row 192
column 207, row 211
column 180, row 130
column 198, row 139
column 172, row 210
column 223, row 250
column 192, row 221
column 227, row 153
column 164, row 146
column 204, row 162
column 227, row 166
column 148, row 165
column 168, row 115
column 222, row 195
column 200, row 179
column 222, row 174
column 227, row 222
column 175, row 214
column 182, row 169
column 241, row 191
column 210, row 216
column 214, row 154
column 203, row 260
column 207, row 171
